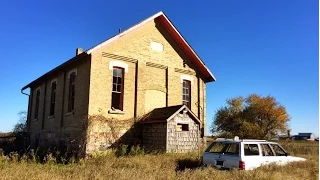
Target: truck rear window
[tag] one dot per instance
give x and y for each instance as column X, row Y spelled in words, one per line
column 224, row 147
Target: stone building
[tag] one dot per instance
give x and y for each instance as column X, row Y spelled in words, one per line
column 94, row 99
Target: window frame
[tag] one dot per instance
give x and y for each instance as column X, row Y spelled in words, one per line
column 121, row 90
column 37, row 105
column 53, row 98
column 184, row 127
column 249, row 145
column 225, row 148
column 188, row 104
column 71, row 91
column 270, row 148
column 280, row 147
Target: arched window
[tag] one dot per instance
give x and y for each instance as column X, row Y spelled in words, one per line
column 72, row 82
column 53, row 97
column 36, row 112
column 117, row 88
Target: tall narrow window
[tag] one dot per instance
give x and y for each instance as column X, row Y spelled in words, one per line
column 186, row 93
column 36, row 112
column 53, row 97
column 72, row 82
column 117, row 88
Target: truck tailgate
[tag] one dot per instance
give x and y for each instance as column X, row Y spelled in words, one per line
column 221, row 160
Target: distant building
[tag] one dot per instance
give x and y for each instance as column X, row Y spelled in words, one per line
column 304, row 136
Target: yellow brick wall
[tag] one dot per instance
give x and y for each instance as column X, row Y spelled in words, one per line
column 71, row 123
column 157, row 86
column 155, row 89
column 136, row 45
column 76, row 119
column 36, row 124
column 101, row 88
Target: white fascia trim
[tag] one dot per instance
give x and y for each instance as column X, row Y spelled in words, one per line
column 186, row 77
column 119, row 64
column 138, row 26
column 174, row 28
column 124, row 32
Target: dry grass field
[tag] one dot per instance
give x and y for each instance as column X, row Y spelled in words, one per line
column 158, row 166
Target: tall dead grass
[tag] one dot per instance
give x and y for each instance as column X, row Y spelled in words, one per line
column 158, row 166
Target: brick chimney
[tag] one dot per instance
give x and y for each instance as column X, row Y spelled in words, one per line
column 79, row 51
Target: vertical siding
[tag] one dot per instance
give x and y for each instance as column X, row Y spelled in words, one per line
column 204, row 110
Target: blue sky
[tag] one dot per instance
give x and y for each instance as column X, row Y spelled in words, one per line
column 268, row 47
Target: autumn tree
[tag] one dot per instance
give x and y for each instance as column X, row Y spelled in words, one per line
column 251, row 117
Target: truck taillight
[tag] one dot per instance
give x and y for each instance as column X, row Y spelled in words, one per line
column 242, row 165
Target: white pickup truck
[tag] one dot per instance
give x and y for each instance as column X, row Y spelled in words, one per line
column 246, row 154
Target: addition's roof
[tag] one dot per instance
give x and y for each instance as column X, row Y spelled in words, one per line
column 175, row 34
column 165, row 114
column 304, row 134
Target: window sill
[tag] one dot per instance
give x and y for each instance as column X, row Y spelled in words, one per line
column 116, row 112
column 69, row 113
column 35, row 120
column 51, row 117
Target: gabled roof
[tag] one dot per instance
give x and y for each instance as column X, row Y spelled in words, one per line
column 165, row 114
column 61, row 66
column 175, row 34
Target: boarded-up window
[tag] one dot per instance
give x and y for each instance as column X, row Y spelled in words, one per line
column 53, row 97
column 117, row 88
column 72, row 83
column 36, row 112
column 157, row 46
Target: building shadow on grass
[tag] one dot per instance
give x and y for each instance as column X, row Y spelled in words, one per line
column 183, row 164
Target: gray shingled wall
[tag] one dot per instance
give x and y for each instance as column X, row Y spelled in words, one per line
column 165, row 136
column 182, row 141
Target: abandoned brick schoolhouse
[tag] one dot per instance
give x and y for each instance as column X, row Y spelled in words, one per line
column 147, row 75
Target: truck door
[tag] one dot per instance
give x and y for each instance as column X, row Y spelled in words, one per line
column 251, row 155
column 268, row 156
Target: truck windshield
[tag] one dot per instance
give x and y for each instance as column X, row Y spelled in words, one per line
column 224, row 147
